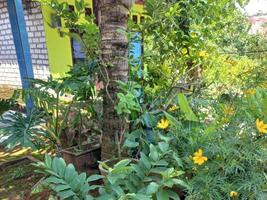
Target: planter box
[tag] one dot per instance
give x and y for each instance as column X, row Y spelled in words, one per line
column 84, row 161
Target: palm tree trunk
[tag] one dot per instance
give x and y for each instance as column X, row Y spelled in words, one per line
column 114, row 51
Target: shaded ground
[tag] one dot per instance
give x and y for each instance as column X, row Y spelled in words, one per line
column 17, row 181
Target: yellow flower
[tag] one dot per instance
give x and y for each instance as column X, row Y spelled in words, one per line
column 229, row 110
column 233, row 194
column 199, row 158
column 193, row 34
column 173, row 108
column 163, row 124
column 203, row 54
column 249, row 92
column 184, row 51
column 261, row 126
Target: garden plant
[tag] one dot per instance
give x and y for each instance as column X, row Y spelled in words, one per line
column 185, row 120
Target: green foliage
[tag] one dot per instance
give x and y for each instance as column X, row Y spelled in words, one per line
column 153, row 176
column 23, row 130
column 65, row 180
column 17, row 173
column 185, row 108
column 235, row 149
column 7, row 104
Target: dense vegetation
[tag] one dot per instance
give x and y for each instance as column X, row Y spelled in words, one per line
column 193, row 111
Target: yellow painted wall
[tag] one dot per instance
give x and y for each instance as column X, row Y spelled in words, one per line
column 138, row 10
column 59, row 47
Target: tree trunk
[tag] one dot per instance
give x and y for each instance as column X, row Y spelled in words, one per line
column 114, row 50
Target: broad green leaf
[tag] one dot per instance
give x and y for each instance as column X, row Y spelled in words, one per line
column 153, row 153
column 162, row 195
column 48, row 161
column 66, row 194
column 152, row 188
column 173, row 121
column 181, row 183
column 173, row 195
column 61, row 166
column 70, row 173
column 122, row 163
column 145, row 160
column 61, row 187
column 138, row 171
column 163, row 146
column 94, row 177
column 130, row 144
column 186, row 109
column 55, row 180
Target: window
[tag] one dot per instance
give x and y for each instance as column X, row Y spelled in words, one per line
column 135, row 19
column 88, row 11
column 142, row 19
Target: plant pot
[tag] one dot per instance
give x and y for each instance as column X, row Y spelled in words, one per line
column 84, row 160
column 111, row 163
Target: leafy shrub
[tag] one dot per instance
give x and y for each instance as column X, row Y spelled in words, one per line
column 65, row 180
column 24, row 130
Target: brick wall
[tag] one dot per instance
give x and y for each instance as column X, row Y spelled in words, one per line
column 9, row 70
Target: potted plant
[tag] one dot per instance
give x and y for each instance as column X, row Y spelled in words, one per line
column 83, row 138
column 69, row 123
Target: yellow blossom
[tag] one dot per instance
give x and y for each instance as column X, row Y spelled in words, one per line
column 193, row 34
column 229, row 110
column 233, row 194
column 249, row 92
column 261, row 126
column 173, row 108
column 199, row 158
column 203, row 54
column 184, row 51
column 163, row 124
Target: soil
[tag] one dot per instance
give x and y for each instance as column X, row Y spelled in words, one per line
column 17, row 180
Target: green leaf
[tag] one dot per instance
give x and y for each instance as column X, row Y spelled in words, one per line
column 162, row 195
column 173, row 195
column 70, row 173
column 94, row 177
column 66, row 194
column 142, row 197
column 130, row 186
column 48, row 161
column 55, row 180
column 173, row 121
column 61, row 166
column 186, row 109
column 61, row 187
column 181, row 183
column 138, row 171
column 163, row 146
column 153, row 153
column 130, row 144
column 122, row 163
column 145, row 161
column 152, row 188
